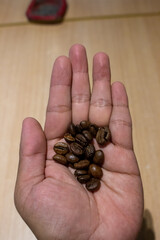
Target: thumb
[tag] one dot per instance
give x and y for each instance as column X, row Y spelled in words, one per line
column 32, row 154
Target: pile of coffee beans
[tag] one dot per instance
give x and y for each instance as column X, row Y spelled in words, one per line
column 79, row 153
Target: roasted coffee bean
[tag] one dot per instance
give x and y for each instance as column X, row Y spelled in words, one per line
column 69, row 138
column 103, row 135
column 98, row 157
column 81, row 164
column 83, row 178
column 107, row 133
column 61, row 148
column 93, row 129
column 81, row 155
column 87, row 135
column 76, row 149
column 60, row 159
column 71, row 158
column 72, row 129
column 89, row 151
column 95, row 171
column 93, row 184
column 80, row 138
column 78, row 128
column 80, row 172
column 84, row 124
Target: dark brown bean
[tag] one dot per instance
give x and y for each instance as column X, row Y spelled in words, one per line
column 107, row 133
column 98, row 157
column 81, row 154
column 69, row 138
column 83, row 178
column 71, row 158
column 103, row 135
column 76, row 149
column 93, row 129
column 93, row 184
column 95, row 171
column 84, row 124
column 79, row 172
column 78, row 128
column 72, row 129
column 60, row 159
column 87, row 135
column 61, row 148
column 89, row 151
column 80, row 138
column 82, row 164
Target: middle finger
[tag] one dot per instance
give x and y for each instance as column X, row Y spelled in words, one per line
column 80, row 84
column 101, row 100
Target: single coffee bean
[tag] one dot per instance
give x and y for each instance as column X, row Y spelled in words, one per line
column 81, row 164
column 72, row 129
column 95, row 171
column 87, row 135
column 60, row 159
column 76, row 149
column 79, row 172
column 69, row 138
column 93, row 184
column 84, row 124
column 81, row 140
column 103, row 135
column 107, row 133
column 89, row 151
column 98, row 157
column 83, row 178
column 93, row 129
column 78, row 128
column 71, row 158
column 61, row 148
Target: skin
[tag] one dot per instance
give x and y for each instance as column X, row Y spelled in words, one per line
column 48, row 197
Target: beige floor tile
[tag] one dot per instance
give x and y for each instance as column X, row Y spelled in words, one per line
column 14, row 11
column 27, row 55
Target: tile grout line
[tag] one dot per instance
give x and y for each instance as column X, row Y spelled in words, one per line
column 89, row 18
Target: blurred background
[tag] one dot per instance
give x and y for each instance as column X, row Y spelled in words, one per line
column 129, row 32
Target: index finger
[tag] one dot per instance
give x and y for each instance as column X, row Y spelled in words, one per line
column 58, row 114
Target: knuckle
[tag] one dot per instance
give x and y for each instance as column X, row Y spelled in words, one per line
column 121, row 122
column 101, row 102
column 80, row 98
column 59, row 108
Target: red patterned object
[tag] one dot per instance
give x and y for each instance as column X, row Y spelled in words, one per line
column 46, row 11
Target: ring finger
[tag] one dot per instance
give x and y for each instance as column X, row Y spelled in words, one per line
column 101, row 101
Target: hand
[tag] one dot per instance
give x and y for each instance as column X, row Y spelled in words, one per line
column 48, row 197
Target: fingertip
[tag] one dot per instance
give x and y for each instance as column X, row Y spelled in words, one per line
column 78, row 58
column 32, row 136
column 61, row 60
column 119, row 94
column 28, row 121
column 101, row 57
column 76, row 49
column 61, row 64
column 101, row 67
column 61, row 72
column 28, row 124
column 118, row 85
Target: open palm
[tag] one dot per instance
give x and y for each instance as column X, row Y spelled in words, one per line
column 48, row 197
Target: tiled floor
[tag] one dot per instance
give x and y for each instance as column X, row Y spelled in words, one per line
column 27, row 54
